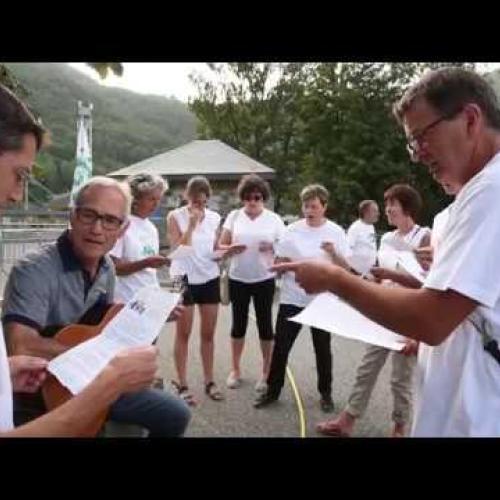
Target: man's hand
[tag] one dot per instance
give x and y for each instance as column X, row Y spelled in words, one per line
column 135, row 368
column 156, row 261
column 176, row 313
column 27, row 373
column 312, row 275
column 410, row 348
column 425, row 256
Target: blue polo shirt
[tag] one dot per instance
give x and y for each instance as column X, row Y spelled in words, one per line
column 49, row 288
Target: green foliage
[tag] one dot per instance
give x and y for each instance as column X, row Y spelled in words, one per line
column 324, row 122
column 127, row 127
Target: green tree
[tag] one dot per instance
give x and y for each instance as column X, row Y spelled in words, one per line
column 253, row 108
column 316, row 122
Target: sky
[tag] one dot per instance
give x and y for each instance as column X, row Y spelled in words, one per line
column 171, row 79
column 168, row 79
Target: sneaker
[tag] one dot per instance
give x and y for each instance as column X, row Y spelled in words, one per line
column 326, row 403
column 233, row 382
column 264, row 400
column 261, row 386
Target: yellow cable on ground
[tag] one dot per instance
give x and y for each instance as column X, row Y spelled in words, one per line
column 298, row 400
column 296, row 394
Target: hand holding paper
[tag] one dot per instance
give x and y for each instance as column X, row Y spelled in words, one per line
column 137, row 324
column 327, row 312
column 314, row 276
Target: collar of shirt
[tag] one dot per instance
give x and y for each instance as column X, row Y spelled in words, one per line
column 70, row 261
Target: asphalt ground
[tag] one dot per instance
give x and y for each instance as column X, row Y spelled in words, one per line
column 294, row 415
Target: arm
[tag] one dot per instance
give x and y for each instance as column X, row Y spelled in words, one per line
column 129, row 371
column 229, row 249
column 337, row 259
column 125, row 267
column 403, row 279
column 175, row 235
column 22, row 339
column 225, row 239
column 425, row 315
column 74, row 416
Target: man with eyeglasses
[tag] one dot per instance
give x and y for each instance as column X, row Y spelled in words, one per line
column 71, row 278
column 451, row 118
column 21, row 137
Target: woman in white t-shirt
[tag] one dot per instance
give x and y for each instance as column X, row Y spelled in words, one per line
column 402, row 205
column 256, row 229
column 313, row 237
column 196, row 226
column 136, row 253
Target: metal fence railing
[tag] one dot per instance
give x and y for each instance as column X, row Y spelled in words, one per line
column 15, row 242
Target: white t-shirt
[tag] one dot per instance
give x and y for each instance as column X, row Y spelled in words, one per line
column 251, row 266
column 438, row 225
column 393, row 241
column 6, row 407
column 301, row 241
column 460, row 391
column 363, row 245
column 424, row 356
column 199, row 267
column 139, row 241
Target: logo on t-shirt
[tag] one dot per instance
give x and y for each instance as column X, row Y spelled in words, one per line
column 148, row 250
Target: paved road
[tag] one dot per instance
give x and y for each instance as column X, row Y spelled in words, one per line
column 236, row 417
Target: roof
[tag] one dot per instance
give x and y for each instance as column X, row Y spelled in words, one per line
column 211, row 158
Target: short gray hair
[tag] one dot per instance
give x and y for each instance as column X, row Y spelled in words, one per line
column 145, row 183
column 101, row 181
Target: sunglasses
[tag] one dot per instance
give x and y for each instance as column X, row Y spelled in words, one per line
column 253, row 197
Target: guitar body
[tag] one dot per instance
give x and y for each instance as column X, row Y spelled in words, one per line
column 54, row 393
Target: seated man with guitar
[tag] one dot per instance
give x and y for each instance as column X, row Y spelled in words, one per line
column 72, row 281
column 21, row 137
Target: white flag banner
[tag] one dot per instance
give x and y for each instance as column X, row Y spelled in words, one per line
column 83, row 168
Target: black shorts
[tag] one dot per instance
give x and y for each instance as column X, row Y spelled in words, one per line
column 205, row 293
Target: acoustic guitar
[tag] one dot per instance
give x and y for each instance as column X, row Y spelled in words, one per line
column 54, row 393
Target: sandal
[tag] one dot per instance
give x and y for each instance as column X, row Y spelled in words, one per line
column 183, row 393
column 332, row 429
column 213, row 393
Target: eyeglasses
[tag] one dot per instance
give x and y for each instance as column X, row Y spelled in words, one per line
column 255, row 197
column 88, row 216
column 415, row 143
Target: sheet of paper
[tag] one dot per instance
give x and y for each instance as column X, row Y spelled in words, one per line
column 409, row 263
column 288, row 248
column 137, row 324
column 329, row 313
column 181, row 252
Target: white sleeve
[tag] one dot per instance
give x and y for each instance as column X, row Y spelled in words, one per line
column 352, row 236
column 119, row 248
column 228, row 223
column 467, row 257
column 280, row 228
column 343, row 245
column 426, row 231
